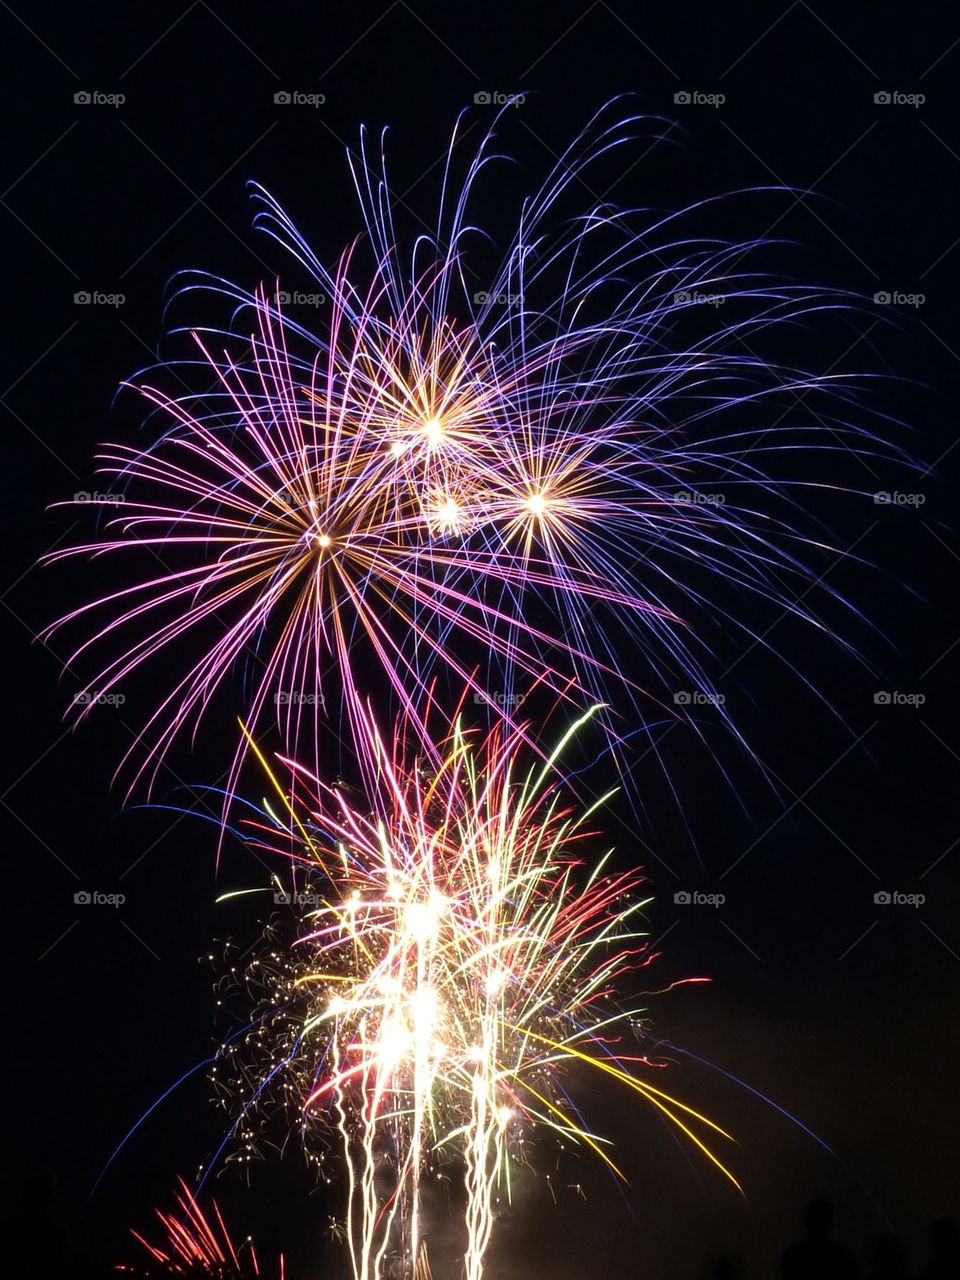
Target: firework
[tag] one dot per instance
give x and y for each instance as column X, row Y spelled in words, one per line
column 462, row 961
column 197, row 1244
column 485, row 469
column 528, row 465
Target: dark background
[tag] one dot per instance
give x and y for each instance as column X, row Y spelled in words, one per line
column 840, row 1010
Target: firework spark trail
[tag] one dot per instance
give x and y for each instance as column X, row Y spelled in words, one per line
column 460, row 958
column 431, row 476
column 197, row 1246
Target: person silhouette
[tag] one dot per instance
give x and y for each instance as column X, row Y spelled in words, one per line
column 944, row 1261
column 818, row 1257
column 887, row 1259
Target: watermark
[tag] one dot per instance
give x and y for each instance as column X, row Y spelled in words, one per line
column 694, row 297
column 696, row 898
column 301, row 898
column 99, row 499
column 894, row 898
column 94, row 298
column 485, row 299
column 701, row 499
column 695, row 98
column 296, row 98
column 897, row 499
column 497, row 698
column 897, row 698
column 95, row 98
column 897, row 298
column 91, row 698
column 299, row 299
column 494, row 98
column 95, row 898
column 698, row 698
column 294, row 698
column 897, row 98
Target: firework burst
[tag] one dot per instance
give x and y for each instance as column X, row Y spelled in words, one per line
column 462, row 961
column 525, row 465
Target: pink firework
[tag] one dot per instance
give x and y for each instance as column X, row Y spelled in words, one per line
column 531, row 477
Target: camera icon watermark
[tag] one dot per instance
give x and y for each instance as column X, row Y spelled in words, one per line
column 897, row 98
column 698, row 698
column 296, row 98
column 696, row 898
column 885, row 498
column 894, row 898
column 696, row 297
column 297, row 298
column 96, row 498
column 95, row 898
column 300, row 898
column 95, row 98
column 696, row 98
column 897, row 698
column 96, row 298
column 494, row 98
column 898, row 298
column 691, row 498
column 484, row 299
column 91, row 698
column 496, row 698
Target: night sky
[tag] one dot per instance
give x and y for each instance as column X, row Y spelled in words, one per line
column 837, row 1008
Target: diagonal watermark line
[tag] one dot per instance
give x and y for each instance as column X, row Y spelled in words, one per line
column 936, row 262
column 797, row 600
column 936, row 62
column 799, row 799
column 239, row 39
column 813, row 813
column 946, row 146
column 39, row 839
column 946, row 346
column 946, row 745
column 669, row 929
column 798, row 197
column 736, row 935
column 39, row 239
column 563, row 35
column 653, row 53
column 42, row 356
column 40, row 40
column 936, row 662
column 936, row 935
column 869, row 929
column 32, row 565
column 197, row 199
column 439, row 39
column 39, row 439
column 839, row 39
column 360, row 38
column 763, row 35
column 162, row 36
column 30, row 767
column 143, row 944
column 16, row 182
column 936, row 862
column 68, row 929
